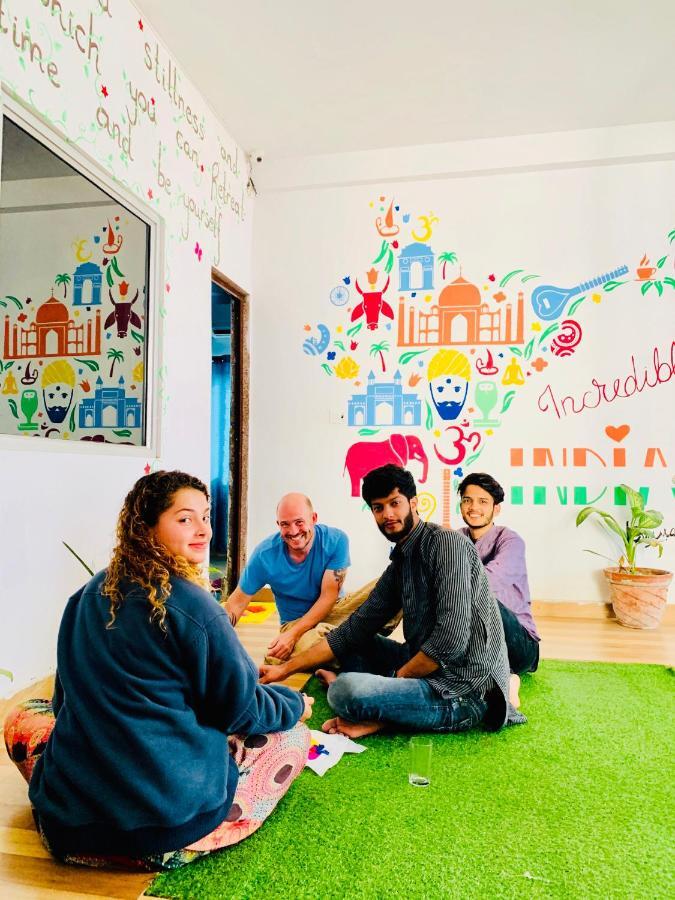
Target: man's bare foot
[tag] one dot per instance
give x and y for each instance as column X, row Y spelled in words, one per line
column 326, row 676
column 351, row 729
column 514, row 687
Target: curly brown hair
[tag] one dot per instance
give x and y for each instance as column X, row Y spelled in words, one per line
column 138, row 556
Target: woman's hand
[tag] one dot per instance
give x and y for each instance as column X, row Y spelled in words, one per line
column 307, row 712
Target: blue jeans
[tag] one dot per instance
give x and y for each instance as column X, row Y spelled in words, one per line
column 521, row 647
column 366, row 690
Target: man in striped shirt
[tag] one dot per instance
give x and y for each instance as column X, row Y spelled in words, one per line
column 452, row 672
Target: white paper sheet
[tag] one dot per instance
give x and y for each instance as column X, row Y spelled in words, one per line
column 327, row 749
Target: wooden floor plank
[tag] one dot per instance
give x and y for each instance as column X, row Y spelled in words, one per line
column 45, row 876
column 16, row 815
column 22, row 842
column 13, row 891
column 26, row 871
column 605, row 641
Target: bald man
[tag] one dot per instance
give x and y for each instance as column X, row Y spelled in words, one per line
column 305, row 565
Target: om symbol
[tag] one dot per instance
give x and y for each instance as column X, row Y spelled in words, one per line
column 462, row 443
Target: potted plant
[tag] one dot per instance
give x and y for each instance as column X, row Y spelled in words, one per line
column 638, row 594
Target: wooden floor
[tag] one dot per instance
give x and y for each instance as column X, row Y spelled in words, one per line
column 604, row 640
column 26, row 871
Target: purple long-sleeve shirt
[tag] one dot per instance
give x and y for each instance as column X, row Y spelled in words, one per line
column 502, row 553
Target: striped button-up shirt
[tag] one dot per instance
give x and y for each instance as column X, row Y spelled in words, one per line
column 449, row 613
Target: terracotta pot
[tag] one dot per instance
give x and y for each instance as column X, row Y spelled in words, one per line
column 639, row 599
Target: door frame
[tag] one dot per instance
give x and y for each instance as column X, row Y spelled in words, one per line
column 237, row 516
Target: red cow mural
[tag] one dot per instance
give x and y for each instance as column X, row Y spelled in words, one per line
column 373, row 303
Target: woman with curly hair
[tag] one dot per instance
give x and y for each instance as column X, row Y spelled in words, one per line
column 159, row 745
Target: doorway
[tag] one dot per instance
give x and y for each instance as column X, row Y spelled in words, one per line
column 229, row 430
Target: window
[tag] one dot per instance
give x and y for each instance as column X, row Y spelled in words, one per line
column 76, row 348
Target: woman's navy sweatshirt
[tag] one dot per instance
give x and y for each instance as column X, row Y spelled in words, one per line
column 138, row 761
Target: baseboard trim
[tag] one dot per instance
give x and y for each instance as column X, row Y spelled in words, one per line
column 564, row 609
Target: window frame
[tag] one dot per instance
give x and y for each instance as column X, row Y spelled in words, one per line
column 39, row 128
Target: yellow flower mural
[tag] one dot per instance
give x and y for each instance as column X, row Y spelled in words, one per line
column 347, row 368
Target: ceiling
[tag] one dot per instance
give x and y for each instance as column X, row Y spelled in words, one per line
column 24, row 157
column 296, row 77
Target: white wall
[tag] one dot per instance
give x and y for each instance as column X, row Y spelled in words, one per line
column 62, row 493
column 566, row 207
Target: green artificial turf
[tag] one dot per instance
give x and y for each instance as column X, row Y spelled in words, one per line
column 577, row 803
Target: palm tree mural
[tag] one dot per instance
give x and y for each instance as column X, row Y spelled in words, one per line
column 378, row 348
column 446, row 258
column 116, row 356
column 63, row 279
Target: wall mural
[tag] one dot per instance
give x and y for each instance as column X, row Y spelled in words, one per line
column 136, row 114
column 420, row 343
column 72, row 365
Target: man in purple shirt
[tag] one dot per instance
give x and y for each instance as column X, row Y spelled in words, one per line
column 502, row 553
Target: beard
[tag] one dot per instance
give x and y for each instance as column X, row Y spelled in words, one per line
column 406, row 528
column 57, row 414
column 449, row 409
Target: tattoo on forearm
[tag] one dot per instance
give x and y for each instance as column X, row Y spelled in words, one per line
column 340, row 576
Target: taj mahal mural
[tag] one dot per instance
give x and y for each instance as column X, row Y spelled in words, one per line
column 460, row 316
column 53, row 333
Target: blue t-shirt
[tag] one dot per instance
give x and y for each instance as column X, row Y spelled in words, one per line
column 296, row 586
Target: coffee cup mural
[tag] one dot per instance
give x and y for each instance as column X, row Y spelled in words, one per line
column 644, row 271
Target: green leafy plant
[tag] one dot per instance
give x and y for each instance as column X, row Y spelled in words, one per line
column 7, row 674
column 78, row 558
column 639, row 529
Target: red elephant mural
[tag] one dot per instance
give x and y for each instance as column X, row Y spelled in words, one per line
column 365, row 456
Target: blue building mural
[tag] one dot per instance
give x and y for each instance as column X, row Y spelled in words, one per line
column 416, row 268
column 384, row 403
column 87, row 285
column 110, row 408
